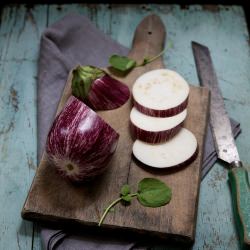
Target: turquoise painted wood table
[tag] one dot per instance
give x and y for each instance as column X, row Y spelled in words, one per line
column 222, row 29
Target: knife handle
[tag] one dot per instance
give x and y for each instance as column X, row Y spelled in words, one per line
column 240, row 189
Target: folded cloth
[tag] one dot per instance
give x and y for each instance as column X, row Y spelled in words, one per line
column 57, row 239
column 75, row 40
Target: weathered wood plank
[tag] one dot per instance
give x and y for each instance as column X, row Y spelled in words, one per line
column 19, row 38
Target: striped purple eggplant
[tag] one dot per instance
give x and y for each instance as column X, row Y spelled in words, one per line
column 80, row 144
column 98, row 89
column 155, row 129
column 161, row 113
column 179, row 151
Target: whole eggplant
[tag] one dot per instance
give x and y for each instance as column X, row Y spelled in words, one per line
column 80, row 143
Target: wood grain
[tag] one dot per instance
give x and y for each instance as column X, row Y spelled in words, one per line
column 51, row 197
column 20, row 31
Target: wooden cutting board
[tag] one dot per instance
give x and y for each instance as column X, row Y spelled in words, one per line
column 53, row 199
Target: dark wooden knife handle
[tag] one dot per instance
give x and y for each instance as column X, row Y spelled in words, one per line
column 240, row 189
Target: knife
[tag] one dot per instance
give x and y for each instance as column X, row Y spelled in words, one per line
column 225, row 144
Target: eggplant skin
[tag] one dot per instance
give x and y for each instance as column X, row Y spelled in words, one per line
column 107, row 93
column 154, row 136
column 80, row 144
column 161, row 113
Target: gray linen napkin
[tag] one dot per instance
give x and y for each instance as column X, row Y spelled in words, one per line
column 75, row 40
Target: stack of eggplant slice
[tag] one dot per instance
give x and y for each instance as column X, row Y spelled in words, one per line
column 160, row 109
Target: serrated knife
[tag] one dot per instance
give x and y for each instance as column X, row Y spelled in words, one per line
column 225, row 144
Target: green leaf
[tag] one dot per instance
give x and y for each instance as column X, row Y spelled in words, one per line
column 125, row 64
column 83, row 78
column 127, row 198
column 125, row 190
column 122, row 63
column 153, row 193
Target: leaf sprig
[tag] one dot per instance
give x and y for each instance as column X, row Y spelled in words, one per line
column 125, row 64
column 151, row 193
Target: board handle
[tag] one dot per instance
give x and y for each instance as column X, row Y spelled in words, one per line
column 149, row 38
column 240, row 189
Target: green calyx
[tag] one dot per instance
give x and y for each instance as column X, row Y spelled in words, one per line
column 83, row 78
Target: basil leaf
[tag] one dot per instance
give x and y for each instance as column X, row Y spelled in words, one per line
column 122, row 63
column 125, row 64
column 125, row 190
column 153, row 193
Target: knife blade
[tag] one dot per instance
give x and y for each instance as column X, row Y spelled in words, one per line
column 222, row 132
column 225, row 144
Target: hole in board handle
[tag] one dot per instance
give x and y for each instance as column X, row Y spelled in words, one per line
column 149, row 32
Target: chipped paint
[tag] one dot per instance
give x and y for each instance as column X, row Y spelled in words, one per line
column 59, row 7
column 7, row 129
column 17, row 124
column 30, row 162
column 211, row 7
column 14, row 98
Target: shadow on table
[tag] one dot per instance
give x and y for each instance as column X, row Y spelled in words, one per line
column 25, row 228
